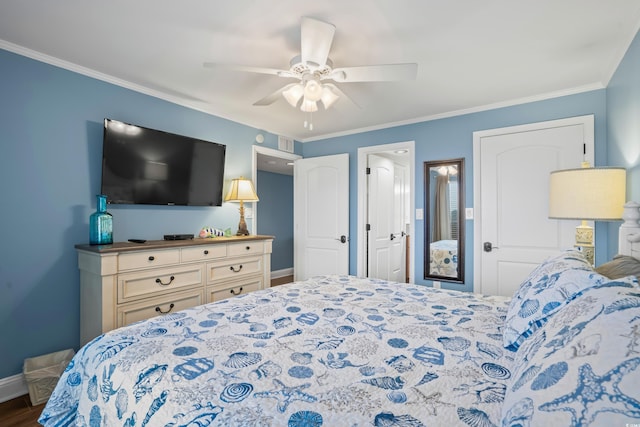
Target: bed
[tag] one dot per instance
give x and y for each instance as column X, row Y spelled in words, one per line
column 348, row 351
column 444, row 258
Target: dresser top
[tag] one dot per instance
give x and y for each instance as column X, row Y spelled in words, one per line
column 162, row 244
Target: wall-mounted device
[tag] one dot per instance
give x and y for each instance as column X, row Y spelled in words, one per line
column 152, row 167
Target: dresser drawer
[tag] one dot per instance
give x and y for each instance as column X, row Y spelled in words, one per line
column 203, row 253
column 242, row 287
column 148, row 259
column 139, row 284
column 233, row 269
column 248, row 248
column 146, row 309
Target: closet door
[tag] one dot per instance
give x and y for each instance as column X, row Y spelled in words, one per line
column 512, row 168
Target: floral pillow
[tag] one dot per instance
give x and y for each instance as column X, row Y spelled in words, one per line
column 582, row 368
column 550, row 286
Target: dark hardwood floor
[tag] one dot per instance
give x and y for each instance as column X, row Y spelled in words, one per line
column 281, row 280
column 18, row 412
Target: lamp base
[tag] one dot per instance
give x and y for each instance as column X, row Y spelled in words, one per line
column 242, row 230
column 584, row 241
column 242, row 226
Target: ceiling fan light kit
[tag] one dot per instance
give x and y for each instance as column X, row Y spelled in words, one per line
column 293, row 94
column 328, row 97
column 309, row 106
column 313, row 66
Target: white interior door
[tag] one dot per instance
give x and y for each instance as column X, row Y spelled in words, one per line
column 380, row 208
column 399, row 243
column 511, row 191
column 321, row 216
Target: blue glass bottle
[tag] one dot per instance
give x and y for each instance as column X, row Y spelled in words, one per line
column 101, row 224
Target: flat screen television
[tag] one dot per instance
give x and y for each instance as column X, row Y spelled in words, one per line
column 152, row 167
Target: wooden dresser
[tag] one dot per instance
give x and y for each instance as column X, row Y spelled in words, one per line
column 126, row 282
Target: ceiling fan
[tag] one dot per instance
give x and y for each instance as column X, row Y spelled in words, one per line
column 315, row 73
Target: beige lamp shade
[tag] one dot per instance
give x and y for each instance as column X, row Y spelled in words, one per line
column 587, row 193
column 241, row 190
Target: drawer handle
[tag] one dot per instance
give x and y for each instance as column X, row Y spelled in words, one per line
column 248, row 248
column 151, row 258
column 234, row 270
column 165, row 284
column 206, row 252
column 159, row 310
column 236, row 293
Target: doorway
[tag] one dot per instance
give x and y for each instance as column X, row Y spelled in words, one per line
column 394, row 150
column 402, row 155
column 276, row 169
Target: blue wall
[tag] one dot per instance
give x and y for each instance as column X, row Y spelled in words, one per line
column 623, row 127
column 50, row 168
column 50, row 149
column 275, row 210
column 453, row 138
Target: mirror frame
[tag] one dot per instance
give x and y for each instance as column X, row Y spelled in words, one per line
column 428, row 217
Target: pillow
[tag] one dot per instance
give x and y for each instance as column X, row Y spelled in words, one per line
column 582, row 368
column 620, row 266
column 549, row 286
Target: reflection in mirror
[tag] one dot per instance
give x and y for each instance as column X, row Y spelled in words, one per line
column 444, row 223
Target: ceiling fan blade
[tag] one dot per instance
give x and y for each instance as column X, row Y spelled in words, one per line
column 273, row 97
column 249, row 69
column 341, row 93
column 316, row 39
column 375, row 73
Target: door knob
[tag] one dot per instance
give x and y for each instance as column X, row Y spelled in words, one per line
column 393, row 236
column 488, row 246
column 342, row 239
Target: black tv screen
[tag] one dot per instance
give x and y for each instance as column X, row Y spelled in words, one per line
column 152, row 167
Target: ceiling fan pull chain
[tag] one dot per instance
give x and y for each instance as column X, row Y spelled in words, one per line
column 308, row 120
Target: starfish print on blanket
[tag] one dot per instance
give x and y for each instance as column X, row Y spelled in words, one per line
column 188, row 334
column 467, row 357
column 595, row 394
column 285, row 395
column 377, row 330
column 431, row 402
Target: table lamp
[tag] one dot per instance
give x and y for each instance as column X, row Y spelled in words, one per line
column 584, row 194
column 241, row 191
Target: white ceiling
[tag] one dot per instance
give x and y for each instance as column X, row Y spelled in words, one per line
column 471, row 55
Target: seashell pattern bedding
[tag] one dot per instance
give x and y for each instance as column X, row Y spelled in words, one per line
column 346, row 351
column 330, row 351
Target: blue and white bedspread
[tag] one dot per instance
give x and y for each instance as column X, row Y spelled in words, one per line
column 330, row 351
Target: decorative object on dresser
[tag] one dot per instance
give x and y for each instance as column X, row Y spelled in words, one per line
column 101, row 223
column 242, row 190
column 212, row 232
column 126, row 282
column 587, row 194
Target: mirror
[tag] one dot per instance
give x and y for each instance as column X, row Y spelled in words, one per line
column 444, row 220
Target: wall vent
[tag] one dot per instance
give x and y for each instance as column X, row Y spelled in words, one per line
column 285, row 144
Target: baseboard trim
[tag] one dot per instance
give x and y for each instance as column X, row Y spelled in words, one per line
column 282, row 273
column 12, row 387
